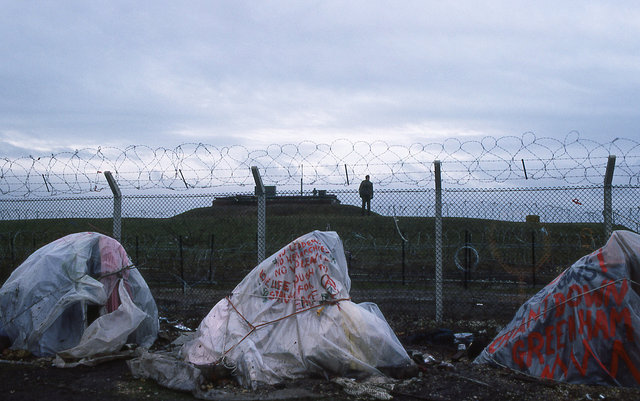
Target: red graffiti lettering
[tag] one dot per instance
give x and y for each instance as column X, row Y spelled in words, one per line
column 612, row 292
column 559, row 336
column 558, row 298
column 328, row 284
column 548, row 373
column 619, row 352
column 574, row 299
column 535, row 343
column 582, row 367
column 616, row 317
column 548, row 336
column 281, row 271
column 517, row 352
column 533, row 316
column 600, row 325
column 592, row 297
column 584, row 319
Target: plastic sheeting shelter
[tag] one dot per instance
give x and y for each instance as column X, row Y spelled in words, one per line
column 77, row 297
column 584, row 326
column 291, row 317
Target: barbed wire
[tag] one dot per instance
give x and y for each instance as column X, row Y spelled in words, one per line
column 527, row 158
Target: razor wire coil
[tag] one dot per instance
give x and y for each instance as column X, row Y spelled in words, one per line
column 574, row 161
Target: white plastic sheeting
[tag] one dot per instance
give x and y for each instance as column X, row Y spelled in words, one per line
column 43, row 304
column 292, row 316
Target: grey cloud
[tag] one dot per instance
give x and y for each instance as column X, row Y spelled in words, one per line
column 144, row 72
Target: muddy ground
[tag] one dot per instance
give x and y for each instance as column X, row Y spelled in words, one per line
column 449, row 375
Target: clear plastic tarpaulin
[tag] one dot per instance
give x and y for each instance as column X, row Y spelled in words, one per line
column 292, row 316
column 77, row 297
column 583, row 326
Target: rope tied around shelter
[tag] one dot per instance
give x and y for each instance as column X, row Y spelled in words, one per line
column 255, row 327
column 117, row 272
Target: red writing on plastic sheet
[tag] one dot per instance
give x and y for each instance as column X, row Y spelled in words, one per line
column 575, row 317
column 300, row 272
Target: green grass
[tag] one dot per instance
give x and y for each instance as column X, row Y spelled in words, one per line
column 220, row 242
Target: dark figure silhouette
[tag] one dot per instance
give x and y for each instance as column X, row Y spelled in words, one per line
column 366, row 193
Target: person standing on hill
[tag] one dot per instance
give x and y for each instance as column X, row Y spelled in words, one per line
column 366, row 193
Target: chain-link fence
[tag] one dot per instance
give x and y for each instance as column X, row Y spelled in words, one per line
column 469, row 238
column 499, row 245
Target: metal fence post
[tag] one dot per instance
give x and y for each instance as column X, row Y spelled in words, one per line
column 467, row 259
column 117, row 205
column 262, row 201
column 438, row 244
column 608, row 209
column 211, row 255
column 181, row 256
column 533, row 258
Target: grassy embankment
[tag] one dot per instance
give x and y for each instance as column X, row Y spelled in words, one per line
column 219, row 243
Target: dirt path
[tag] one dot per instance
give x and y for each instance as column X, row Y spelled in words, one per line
column 439, row 381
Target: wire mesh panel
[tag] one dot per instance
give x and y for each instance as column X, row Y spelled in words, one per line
column 28, row 224
column 499, row 246
column 189, row 247
column 503, row 245
column 505, row 230
column 626, row 207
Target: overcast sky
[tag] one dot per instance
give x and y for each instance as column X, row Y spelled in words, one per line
column 78, row 74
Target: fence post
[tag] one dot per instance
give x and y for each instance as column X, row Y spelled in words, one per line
column 117, row 205
column 467, row 258
column 438, row 244
column 211, row 251
column 181, row 255
column 262, row 202
column 608, row 209
column 533, row 258
column 403, row 263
